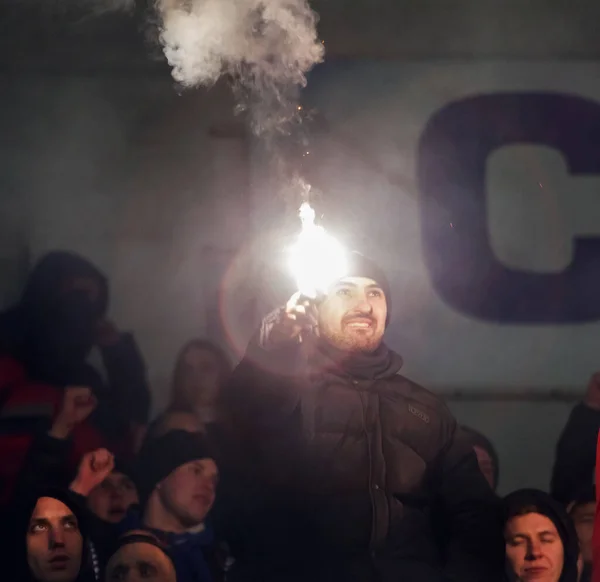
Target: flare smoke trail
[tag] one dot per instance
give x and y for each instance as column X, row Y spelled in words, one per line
column 265, row 46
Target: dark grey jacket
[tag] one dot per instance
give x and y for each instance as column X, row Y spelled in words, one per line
column 363, row 471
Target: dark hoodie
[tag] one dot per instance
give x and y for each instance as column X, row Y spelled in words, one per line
column 16, row 547
column 520, row 502
column 51, row 330
column 44, row 343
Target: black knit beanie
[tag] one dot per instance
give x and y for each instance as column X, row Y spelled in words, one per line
column 360, row 266
column 159, row 457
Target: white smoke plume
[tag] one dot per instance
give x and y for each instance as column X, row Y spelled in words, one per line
column 265, row 46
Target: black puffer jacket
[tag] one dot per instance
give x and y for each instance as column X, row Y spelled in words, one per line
column 354, row 463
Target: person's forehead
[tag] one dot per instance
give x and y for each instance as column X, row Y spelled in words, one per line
column 117, row 477
column 206, row 463
column 198, row 355
column 48, row 508
column 361, row 282
column 531, row 523
column 134, row 551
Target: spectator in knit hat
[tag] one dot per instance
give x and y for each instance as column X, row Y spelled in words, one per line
column 352, row 453
column 176, row 477
column 112, row 498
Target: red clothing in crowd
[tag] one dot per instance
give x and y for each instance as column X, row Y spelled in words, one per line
column 25, row 408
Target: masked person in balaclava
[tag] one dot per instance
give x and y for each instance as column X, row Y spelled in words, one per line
column 47, row 388
column 541, row 541
column 350, row 456
column 48, row 541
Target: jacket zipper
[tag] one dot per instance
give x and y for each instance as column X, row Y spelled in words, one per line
column 370, row 459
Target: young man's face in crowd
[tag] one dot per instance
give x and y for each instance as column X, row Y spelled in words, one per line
column 112, row 498
column 54, row 543
column 140, row 562
column 200, row 377
column 352, row 316
column 534, row 549
column 486, row 465
column 188, row 493
column 583, row 518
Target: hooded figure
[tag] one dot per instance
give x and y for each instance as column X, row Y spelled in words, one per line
column 48, row 541
column 540, row 538
column 44, row 344
column 140, row 555
column 52, row 329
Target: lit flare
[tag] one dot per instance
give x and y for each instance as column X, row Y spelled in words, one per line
column 317, row 259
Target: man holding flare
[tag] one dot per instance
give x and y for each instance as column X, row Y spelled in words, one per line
column 364, row 475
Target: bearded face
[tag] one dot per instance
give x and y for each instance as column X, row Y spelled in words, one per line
column 352, row 316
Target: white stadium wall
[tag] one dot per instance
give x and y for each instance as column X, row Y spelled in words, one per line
column 135, row 177
column 477, row 187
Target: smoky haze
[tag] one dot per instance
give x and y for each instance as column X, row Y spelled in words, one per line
column 265, row 47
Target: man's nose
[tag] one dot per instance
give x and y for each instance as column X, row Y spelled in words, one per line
column 534, row 551
column 363, row 306
column 117, row 493
column 208, row 486
column 208, row 489
column 56, row 539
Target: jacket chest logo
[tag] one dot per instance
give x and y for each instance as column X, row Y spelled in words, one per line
column 418, row 413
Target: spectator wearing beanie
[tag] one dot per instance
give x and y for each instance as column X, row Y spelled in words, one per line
column 176, row 477
column 352, row 453
column 112, row 498
column 103, row 486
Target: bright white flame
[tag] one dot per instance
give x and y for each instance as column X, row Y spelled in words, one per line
column 316, row 260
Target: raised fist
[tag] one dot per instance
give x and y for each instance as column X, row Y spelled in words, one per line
column 93, row 469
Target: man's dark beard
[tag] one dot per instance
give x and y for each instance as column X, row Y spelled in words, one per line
column 353, row 341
